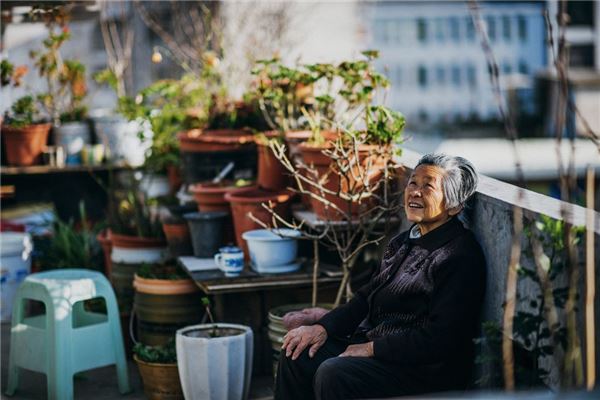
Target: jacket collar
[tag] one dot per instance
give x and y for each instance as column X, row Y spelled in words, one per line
column 439, row 236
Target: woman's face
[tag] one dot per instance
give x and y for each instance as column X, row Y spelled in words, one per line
column 424, row 201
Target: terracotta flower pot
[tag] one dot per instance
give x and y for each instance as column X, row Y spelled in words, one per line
column 24, row 146
column 327, row 171
column 272, row 175
column 205, row 141
column 105, row 241
column 178, row 237
column 161, row 381
column 211, row 196
column 164, row 286
column 132, row 242
column 243, row 203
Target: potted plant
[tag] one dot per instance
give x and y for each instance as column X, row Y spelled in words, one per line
column 166, row 299
column 66, row 85
column 215, row 360
column 159, row 372
column 25, row 133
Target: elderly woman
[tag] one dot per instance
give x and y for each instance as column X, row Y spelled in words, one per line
column 410, row 329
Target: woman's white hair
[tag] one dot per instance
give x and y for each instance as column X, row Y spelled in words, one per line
column 460, row 178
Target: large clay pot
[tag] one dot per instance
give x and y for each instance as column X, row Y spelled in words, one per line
column 24, row 146
column 211, row 196
column 177, row 233
column 326, row 169
column 243, row 203
column 205, row 141
column 215, row 361
column 161, row 381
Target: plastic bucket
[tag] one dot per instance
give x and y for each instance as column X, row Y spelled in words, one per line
column 15, row 265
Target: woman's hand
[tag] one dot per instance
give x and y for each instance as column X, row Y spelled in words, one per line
column 358, row 350
column 296, row 340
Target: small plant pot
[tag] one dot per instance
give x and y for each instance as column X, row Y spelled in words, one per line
column 161, row 381
column 137, row 250
column 24, row 146
column 72, row 136
column 211, row 196
column 273, row 251
column 206, row 229
column 251, row 201
column 177, row 233
column 216, row 367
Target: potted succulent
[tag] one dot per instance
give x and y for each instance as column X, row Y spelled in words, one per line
column 159, row 372
column 166, row 299
column 66, row 85
column 25, row 133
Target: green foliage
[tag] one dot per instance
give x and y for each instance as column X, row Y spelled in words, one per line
column 107, row 76
column 69, row 247
column 6, row 72
column 166, row 354
column 24, row 112
column 65, row 79
column 384, row 126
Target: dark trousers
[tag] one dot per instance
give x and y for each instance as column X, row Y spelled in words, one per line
column 327, row 376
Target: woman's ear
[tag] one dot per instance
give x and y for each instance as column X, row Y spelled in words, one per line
column 455, row 210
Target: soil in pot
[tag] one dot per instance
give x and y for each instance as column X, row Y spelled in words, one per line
column 216, row 332
column 207, row 231
column 250, row 201
column 24, row 146
column 161, row 381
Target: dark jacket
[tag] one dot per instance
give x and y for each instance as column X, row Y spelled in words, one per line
column 422, row 305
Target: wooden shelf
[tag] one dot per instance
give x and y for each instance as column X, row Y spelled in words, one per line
column 46, row 169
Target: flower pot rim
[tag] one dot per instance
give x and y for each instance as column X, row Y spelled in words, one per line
column 129, row 241
column 163, row 286
column 208, row 187
column 217, row 136
column 269, row 235
column 6, row 128
column 219, row 325
column 258, row 196
column 205, row 215
column 170, row 365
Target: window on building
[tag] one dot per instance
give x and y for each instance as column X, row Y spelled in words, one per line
column 440, row 33
column 456, row 78
column 581, row 55
column 522, row 26
column 581, row 13
column 378, row 32
column 491, row 28
column 454, row 29
column 422, row 76
column 440, row 75
column 422, row 30
column 471, row 75
column 506, row 68
column 506, row 27
column 470, row 28
column 523, row 68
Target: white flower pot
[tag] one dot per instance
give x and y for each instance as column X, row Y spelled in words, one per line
column 215, row 368
column 273, row 253
column 121, row 137
column 72, row 136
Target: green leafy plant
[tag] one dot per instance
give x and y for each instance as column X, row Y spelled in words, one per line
column 65, row 79
column 24, row 112
column 384, row 126
column 166, row 354
column 69, row 247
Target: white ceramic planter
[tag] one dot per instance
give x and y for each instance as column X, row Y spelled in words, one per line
column 273, row 253
column 121, row 137
column 155, row 185
column 15, row 265
column 72, row 136
column 215, row 368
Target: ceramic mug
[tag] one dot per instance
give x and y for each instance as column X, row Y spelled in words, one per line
column 230, row 260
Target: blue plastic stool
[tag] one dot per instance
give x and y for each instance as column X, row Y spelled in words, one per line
column 67, row 339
